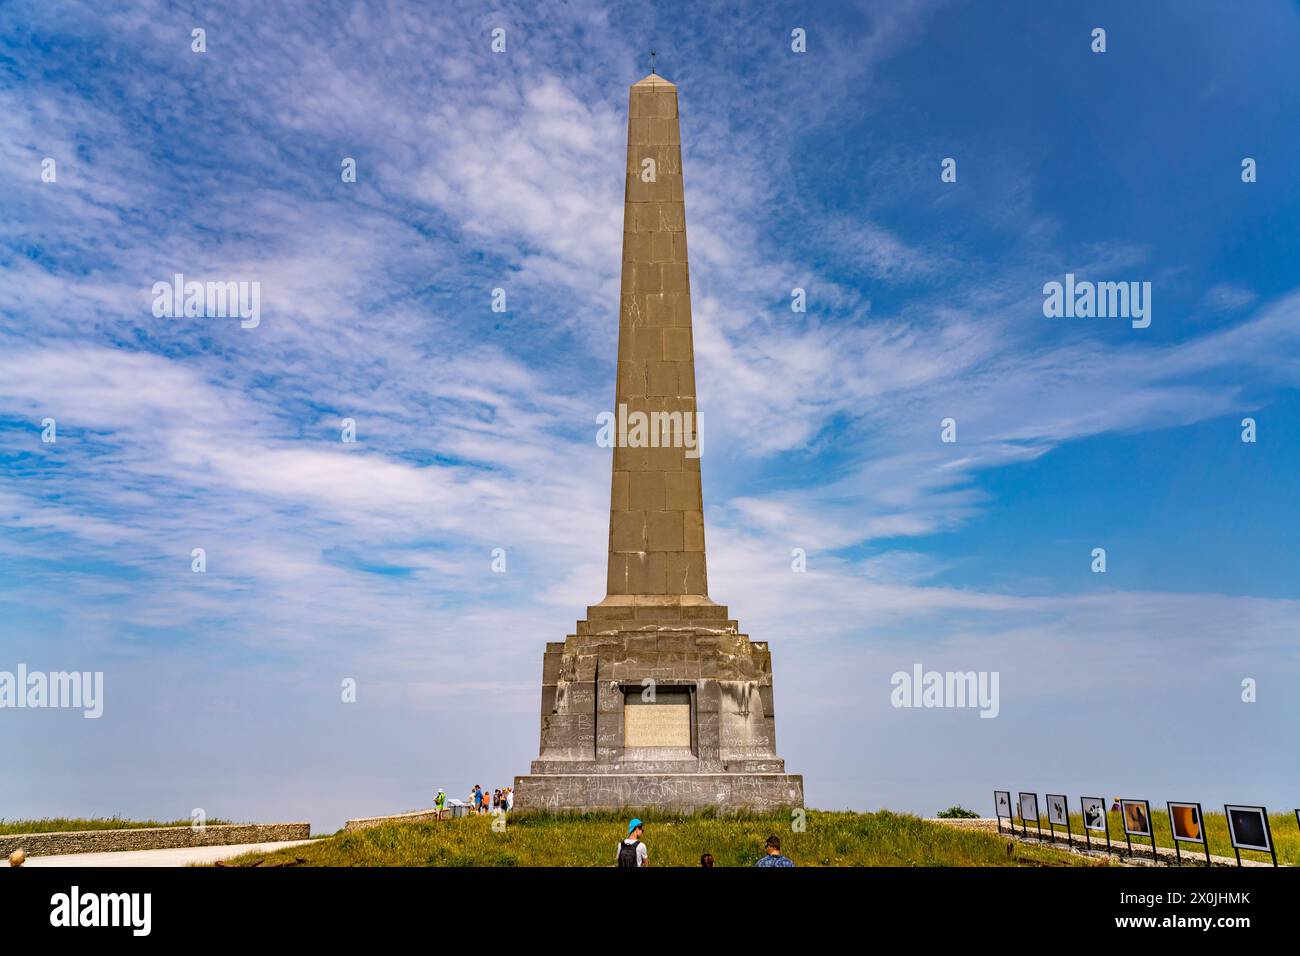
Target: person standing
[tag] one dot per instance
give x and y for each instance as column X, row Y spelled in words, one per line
column 632, row 852
column 510, row 799
column 772, row 854
column 440, row 804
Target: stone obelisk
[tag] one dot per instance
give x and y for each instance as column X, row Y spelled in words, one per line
column 657, row 700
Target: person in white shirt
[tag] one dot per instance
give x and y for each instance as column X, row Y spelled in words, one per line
column 632, row 852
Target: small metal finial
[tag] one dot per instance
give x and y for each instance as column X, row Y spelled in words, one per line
column 652, row 62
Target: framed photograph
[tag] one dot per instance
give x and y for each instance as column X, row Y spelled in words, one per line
column 1057, row 810
column 1248, row 828
column 1029, row 806
column 1185, row 820
column 1094, row 813
column 1002, row 803
column 1137, row 817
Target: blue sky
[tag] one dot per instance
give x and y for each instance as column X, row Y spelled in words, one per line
column 476, row 429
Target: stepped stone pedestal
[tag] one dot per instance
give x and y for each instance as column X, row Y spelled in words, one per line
column 707, row 737
column 657, row 700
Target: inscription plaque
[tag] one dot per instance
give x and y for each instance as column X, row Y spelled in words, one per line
column 657, row 725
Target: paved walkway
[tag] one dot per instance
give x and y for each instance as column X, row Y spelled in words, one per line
column 179, row 856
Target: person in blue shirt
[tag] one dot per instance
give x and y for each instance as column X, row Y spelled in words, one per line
column 773, row 856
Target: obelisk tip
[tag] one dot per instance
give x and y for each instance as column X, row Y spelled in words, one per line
column 655, row 80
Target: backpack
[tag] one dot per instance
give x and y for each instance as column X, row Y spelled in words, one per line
column 627, row 853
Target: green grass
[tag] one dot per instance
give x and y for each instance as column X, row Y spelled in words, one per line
column 64, row 824
column 830, row 839
column 1286, row 836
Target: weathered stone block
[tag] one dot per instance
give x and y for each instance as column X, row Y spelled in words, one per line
column 662, row 309
column 661, row 246
column 682, row 493
column 627, row 531
column 661, row 378
column 671, row 217
column 677, row 345
column 665, row 131
column 664, row 531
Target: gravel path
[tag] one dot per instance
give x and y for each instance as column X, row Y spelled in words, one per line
column 180, row 856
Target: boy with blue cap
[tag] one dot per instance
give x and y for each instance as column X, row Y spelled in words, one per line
column 632, row 852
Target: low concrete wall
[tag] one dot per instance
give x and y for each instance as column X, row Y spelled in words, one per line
column 968, row 823
column 150, row 838
column 678, row 793
column 415, row 816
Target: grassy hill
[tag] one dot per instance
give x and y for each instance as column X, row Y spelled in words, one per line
column 830, row 839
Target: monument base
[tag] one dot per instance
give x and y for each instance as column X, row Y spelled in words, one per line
column 685, row 793
column 657, row 702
